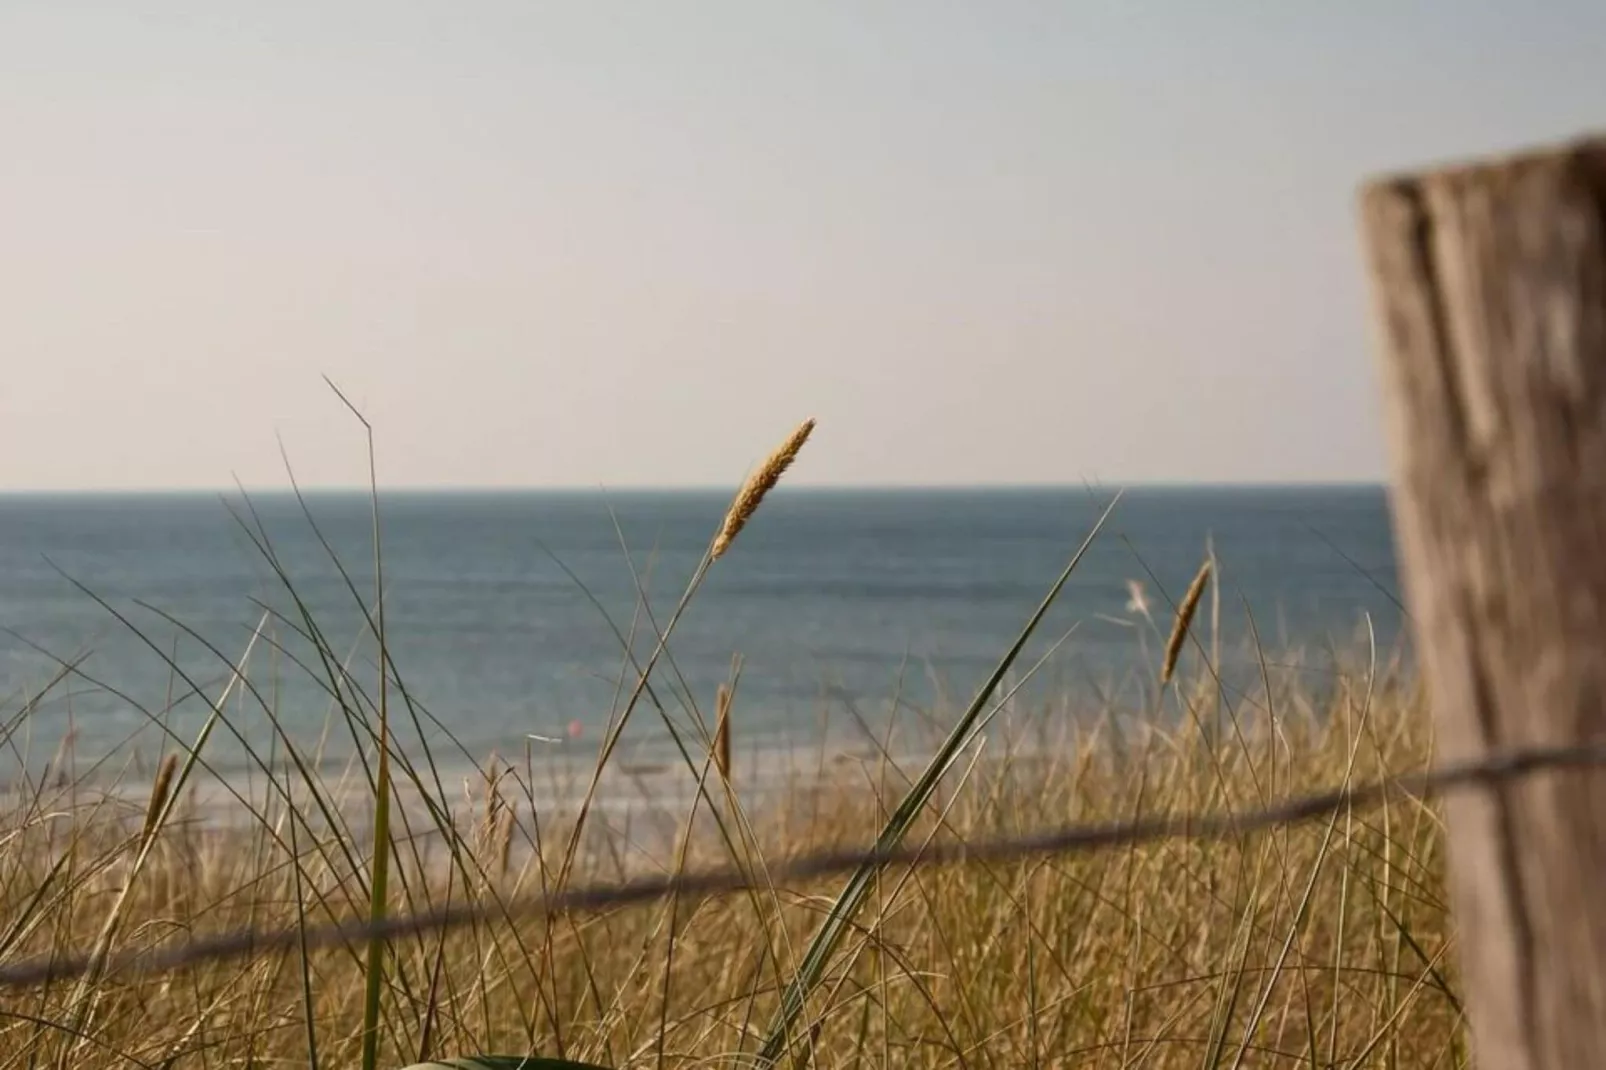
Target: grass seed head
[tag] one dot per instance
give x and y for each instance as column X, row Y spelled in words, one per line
column 751, row 496
column 1179, row 629
column 722, row 732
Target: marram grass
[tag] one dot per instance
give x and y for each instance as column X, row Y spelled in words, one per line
column 1322, row 944
column 753, row 492
column 1183, row 621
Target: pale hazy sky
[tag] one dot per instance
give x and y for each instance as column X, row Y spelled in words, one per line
column 631, row 244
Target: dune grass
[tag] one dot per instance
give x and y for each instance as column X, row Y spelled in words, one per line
column 1321, row 945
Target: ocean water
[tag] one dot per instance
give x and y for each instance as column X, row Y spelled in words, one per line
column 510, row 614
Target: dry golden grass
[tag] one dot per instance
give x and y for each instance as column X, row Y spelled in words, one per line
column 758, row 486
column 1318, row 945
column 1184, row 620
column 722, row 732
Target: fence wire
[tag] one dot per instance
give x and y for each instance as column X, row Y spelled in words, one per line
column 1508, row 766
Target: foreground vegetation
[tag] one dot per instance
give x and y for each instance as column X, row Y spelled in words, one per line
column 1322, row 944
column 1318, row 945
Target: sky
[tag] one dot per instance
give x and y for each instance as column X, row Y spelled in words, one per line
column 626, row 245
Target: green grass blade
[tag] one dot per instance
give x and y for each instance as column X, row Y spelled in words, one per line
column 379, row 888
column 838, row 921
column 375, row 972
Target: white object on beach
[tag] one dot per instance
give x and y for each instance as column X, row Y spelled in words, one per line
column 1137, row 601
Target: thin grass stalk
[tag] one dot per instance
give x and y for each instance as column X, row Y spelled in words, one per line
column 378, row 902
column 309, row 1012
column 304, row 773
column 751, row 859
column 391, row 677
column 741, row 510
column 837, row 921
column 160, row 813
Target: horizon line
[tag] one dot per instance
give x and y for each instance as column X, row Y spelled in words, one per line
column 692, row 488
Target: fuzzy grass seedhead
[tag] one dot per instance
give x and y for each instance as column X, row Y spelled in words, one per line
column 160, row 790
column 722, row 732
column 759, row 484
column 1184, row 620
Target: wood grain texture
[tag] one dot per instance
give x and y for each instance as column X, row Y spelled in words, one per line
column 1489, row 288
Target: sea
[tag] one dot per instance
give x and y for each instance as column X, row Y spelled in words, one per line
column 517, row 623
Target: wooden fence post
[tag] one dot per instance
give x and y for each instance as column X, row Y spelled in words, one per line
column 1489, row 293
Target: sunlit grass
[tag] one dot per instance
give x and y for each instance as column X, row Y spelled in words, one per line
column 1322, row 944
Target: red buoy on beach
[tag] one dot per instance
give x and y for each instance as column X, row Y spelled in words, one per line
column 575, row 729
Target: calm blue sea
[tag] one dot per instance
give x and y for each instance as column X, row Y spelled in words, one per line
column 505, row 611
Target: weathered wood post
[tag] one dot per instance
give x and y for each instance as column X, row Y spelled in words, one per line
column 1489, row 288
